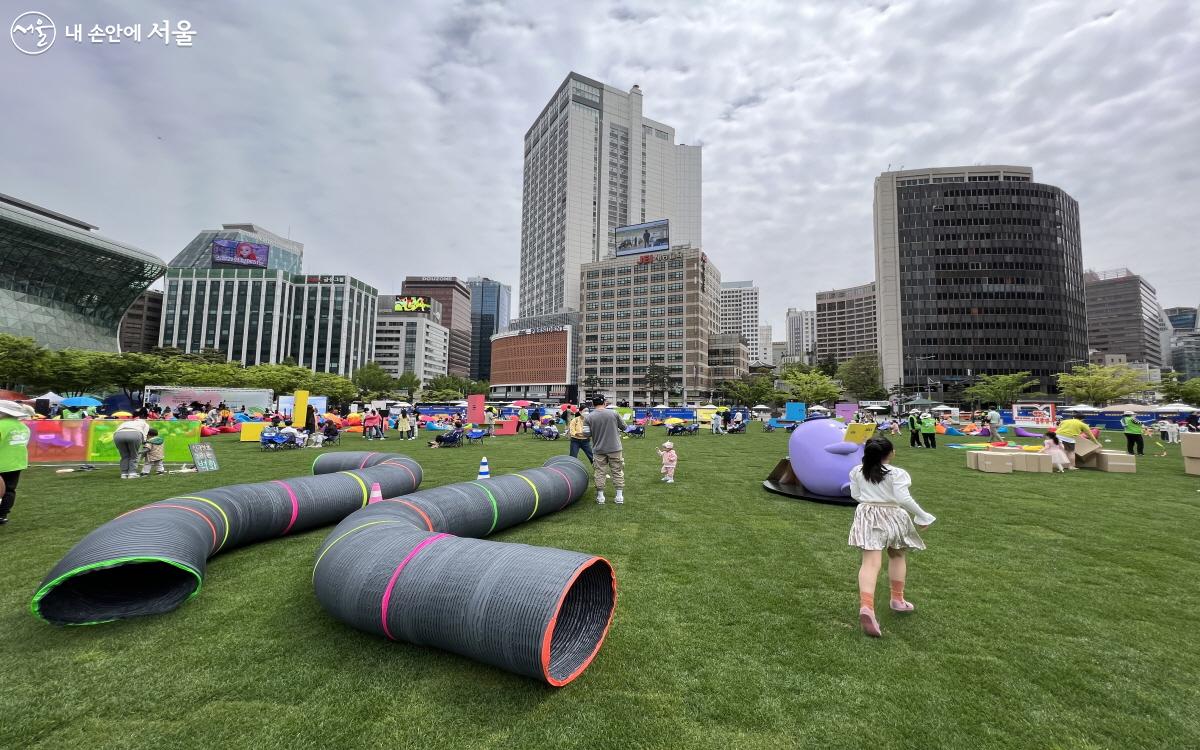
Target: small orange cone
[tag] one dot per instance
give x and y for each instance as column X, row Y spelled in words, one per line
column 376, row 493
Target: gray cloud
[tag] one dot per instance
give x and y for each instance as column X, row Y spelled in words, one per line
column 387, row 137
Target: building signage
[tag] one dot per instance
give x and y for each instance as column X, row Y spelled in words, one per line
column 235, row 253
column 325, row 279
column 638, row 238
column 411, row 304
column 1034, row 415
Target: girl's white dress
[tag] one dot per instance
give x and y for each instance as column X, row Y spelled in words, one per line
column 882, row 520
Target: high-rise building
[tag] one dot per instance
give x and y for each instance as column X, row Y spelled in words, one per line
column 455, row 297
column 1123, row 316
column 410, row 337
column 739, row 314
column 979, row 271
column 238, row 290
column 779, row 352
column 139, row 326
column 802, row 335
column 490, row 313
column 728, row 357
column 653, row 309
column 63, row 285
column 594, row 163
column 846, row 323
column 763, row 346
column 1183, row 318
column 1185, row 340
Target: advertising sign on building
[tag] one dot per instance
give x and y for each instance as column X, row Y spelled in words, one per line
column 235, row 253
column 1034, row 415
column 411, row 304
column 640, row 238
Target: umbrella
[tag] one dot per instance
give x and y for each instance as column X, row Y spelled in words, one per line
column 123, row 414
column 81, row 401
column 760, row 407
column 14, row 396
column 1180, row 408
column 941, row 407
column 568, row 407
column 673, row 420
column 521, row 402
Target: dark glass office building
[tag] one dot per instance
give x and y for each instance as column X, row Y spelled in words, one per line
column 490, row 302
column 980, row 271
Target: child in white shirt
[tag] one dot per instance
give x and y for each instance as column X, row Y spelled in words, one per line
column 882, row 521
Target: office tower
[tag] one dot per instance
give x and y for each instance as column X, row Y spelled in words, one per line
column 490, row 313
column 764, row 346
column 140, row 324
column 739, row 314
column 239, row 290
column 455, row 297
column 979, row 271
column 651, row 309
column 779, row 352
column 594, row 163
column 802, row 335
column 1123, row 316
column 409, row 337
column 846, row 323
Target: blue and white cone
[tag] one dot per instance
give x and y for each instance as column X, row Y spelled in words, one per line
column 484, row 471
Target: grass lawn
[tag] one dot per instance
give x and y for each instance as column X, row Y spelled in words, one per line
column 1053, row 611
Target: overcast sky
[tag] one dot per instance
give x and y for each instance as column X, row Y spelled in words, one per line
column 387, row 136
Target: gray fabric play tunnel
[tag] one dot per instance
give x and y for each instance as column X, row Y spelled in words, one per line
column 152, row 559
column 401, row 568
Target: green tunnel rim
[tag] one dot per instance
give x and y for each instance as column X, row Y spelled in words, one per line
column 111, row 563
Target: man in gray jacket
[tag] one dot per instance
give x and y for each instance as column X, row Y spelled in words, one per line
column 606, row 428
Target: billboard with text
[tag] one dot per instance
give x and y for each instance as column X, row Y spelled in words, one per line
column 238, row 253
column 641, row 238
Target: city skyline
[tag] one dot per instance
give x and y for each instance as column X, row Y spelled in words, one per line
column 419, row 123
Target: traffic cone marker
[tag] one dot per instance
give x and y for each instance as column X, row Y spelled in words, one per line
column 376, row 493
column 484, row 471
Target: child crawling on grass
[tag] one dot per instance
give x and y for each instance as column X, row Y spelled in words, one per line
column 882, row 522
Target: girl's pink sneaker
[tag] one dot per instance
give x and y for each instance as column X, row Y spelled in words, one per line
column 902, row 606
column 866, row 618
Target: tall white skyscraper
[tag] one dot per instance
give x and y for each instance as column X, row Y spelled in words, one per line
column 739, row 314
column 802, row 334
column 764, row 346
column 594, row 163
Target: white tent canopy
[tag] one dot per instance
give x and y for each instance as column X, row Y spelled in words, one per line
column 1179, row 408
column 707, row 406
column 818, row 407
column 1082, row 409
column 51, row 396
column 760, row 407
column 941, row 407
column 1135, row 408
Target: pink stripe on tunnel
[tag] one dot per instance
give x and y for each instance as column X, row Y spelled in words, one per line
column 570, row 489
column 387, row 593
column 295, row 505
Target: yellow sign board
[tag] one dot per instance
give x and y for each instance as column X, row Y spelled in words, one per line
column 859, row 433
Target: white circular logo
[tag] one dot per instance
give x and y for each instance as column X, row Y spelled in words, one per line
column 32, row 33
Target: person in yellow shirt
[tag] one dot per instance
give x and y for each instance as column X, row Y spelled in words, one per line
column 581, row 439
column 1070, row 431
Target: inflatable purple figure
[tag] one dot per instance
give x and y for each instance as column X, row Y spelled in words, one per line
column 822, row 459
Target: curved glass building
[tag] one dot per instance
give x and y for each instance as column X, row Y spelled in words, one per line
column 979, row 271
column 63, row 285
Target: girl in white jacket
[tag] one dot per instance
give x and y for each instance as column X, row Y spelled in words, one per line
column 882, row 521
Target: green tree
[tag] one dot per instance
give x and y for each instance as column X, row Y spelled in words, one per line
column 446, row 385
column 372, row 379
column 1002, row 390
column 658, row 379
column 480, row 387
column 812, row 387
column 281, row 379
column 828, row 366
column 1100, row 384
column 22, row 362
column 1171, row 386
column 409, row 384
column 1189, row 392
column 442, row 394
column 591, row 385
column 798, row 367
column 752, row 390
column 861, row 378
column 337, row 389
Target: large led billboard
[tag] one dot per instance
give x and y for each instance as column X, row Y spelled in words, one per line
column 642, row 238
column 238, row 253
column 411, row 304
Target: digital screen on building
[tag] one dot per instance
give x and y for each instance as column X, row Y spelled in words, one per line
column 641, row 238
column 411, row 304
column 237, row 253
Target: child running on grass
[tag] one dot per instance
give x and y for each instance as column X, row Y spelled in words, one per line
column 1058, row 454
column 669, row 458
column 152, row 453
column 881, row 521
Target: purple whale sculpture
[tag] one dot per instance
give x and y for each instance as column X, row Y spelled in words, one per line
column 821, row 458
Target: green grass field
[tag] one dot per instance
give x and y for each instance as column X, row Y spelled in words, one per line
column 1053, row 611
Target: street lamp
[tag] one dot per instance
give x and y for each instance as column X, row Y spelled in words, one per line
column 921, row 369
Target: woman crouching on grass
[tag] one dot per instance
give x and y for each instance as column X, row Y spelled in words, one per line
column 881, row 521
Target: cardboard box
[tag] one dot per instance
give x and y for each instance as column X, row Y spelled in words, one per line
column 995, row 463
column 1036, row 463
column 1116, row 462
column 1085, row 448
column 1190, row 442
column 973, row 459
column 1191, row 465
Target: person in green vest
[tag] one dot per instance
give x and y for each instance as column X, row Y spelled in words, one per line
column 523, row 419
column 14, row 453
column 929, row 430
column 1133, row 434
column 914, row 429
